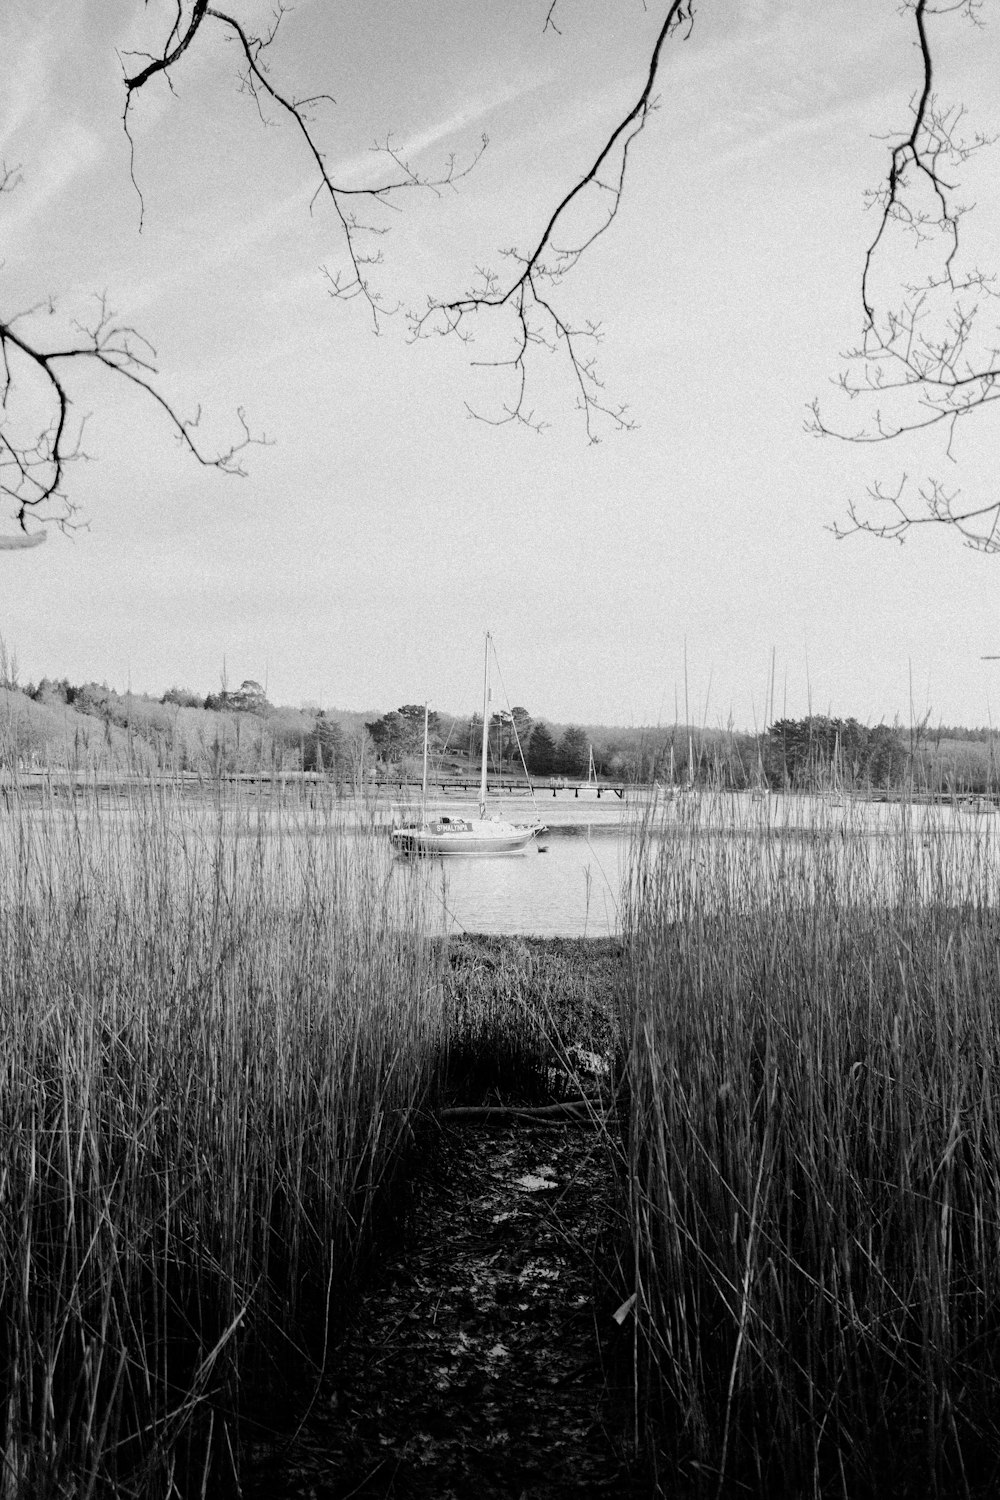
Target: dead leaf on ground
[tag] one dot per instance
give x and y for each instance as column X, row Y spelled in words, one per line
column 532, row 1184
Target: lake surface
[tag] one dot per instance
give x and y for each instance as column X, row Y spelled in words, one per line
column 564, row 886
column 570, row 883
column 735, row 848
column 567, row 883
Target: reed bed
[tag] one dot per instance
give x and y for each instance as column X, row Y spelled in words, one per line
column 526, row 1015
column 216, row 1026
column 814, row 1150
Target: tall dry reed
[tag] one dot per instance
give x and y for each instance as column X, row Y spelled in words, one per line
column 815, row 1148
column 216, row 1022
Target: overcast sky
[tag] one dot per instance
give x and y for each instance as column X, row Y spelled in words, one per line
column 384, row 529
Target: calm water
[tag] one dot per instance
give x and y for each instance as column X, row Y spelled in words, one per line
column 566, row 884
column 753, row 847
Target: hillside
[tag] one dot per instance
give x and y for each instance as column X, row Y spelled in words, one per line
column 109, row 733
column 95, row 729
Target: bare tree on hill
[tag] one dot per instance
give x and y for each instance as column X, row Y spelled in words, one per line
column 948, row 373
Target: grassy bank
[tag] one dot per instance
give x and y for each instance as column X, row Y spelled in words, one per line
column 222, row 1029
column 815, row 1157
column 530, row 1019
column 215, row 1029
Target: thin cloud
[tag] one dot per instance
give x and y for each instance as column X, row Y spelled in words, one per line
column 356, row 170
column 24, row 88
column 72, row 150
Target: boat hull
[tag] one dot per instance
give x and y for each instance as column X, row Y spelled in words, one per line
column 470, row 837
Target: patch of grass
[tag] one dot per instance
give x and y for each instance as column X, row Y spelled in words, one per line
column 217, row 1026
column 520, row 1011
column 815, row 1155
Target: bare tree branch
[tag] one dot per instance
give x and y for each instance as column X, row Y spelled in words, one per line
column 894, row 517
column 528, row 295
column 356, row 280
column 929, row 353
column 39, row 436
column 549, row 19
column 36, row 451
column 928, row 356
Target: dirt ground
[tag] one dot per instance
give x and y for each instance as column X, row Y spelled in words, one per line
column 485, row 1359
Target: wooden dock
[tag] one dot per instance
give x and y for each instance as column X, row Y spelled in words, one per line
column 502, row 788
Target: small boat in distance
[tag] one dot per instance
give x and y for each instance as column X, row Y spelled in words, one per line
column 449, row 835
column 452, row 835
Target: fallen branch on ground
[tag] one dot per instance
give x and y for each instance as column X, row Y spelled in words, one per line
column 568, row 1110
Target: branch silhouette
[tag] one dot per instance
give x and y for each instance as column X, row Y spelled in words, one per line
column 928, row 354
column 927, row 357
column 528, row 294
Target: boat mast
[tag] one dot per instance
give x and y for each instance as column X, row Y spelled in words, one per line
column 486, row 727
column 423, row 795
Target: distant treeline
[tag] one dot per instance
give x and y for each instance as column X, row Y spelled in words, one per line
column 801, row 754
column 238, row 731
column 824, row 753
column 514, row 739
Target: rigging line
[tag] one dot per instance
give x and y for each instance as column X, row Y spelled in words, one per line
column 447, row 742
column 597, row 860
column 428, row 878
column 517, row 737
column 447, row 909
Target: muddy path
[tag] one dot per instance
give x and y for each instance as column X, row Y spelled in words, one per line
column 485, row 1360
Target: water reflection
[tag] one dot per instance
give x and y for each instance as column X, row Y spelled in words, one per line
column 737, row 848
column 568, row 885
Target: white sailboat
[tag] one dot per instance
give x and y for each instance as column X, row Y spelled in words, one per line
column 447, row 834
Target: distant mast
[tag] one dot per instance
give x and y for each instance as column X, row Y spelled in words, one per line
column 423, row 795
column 486, row 727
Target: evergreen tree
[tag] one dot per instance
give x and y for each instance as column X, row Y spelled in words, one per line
column 541, row 751
column 324, row 748
column 573, row 755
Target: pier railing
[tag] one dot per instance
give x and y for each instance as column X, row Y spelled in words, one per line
column 502, row 788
